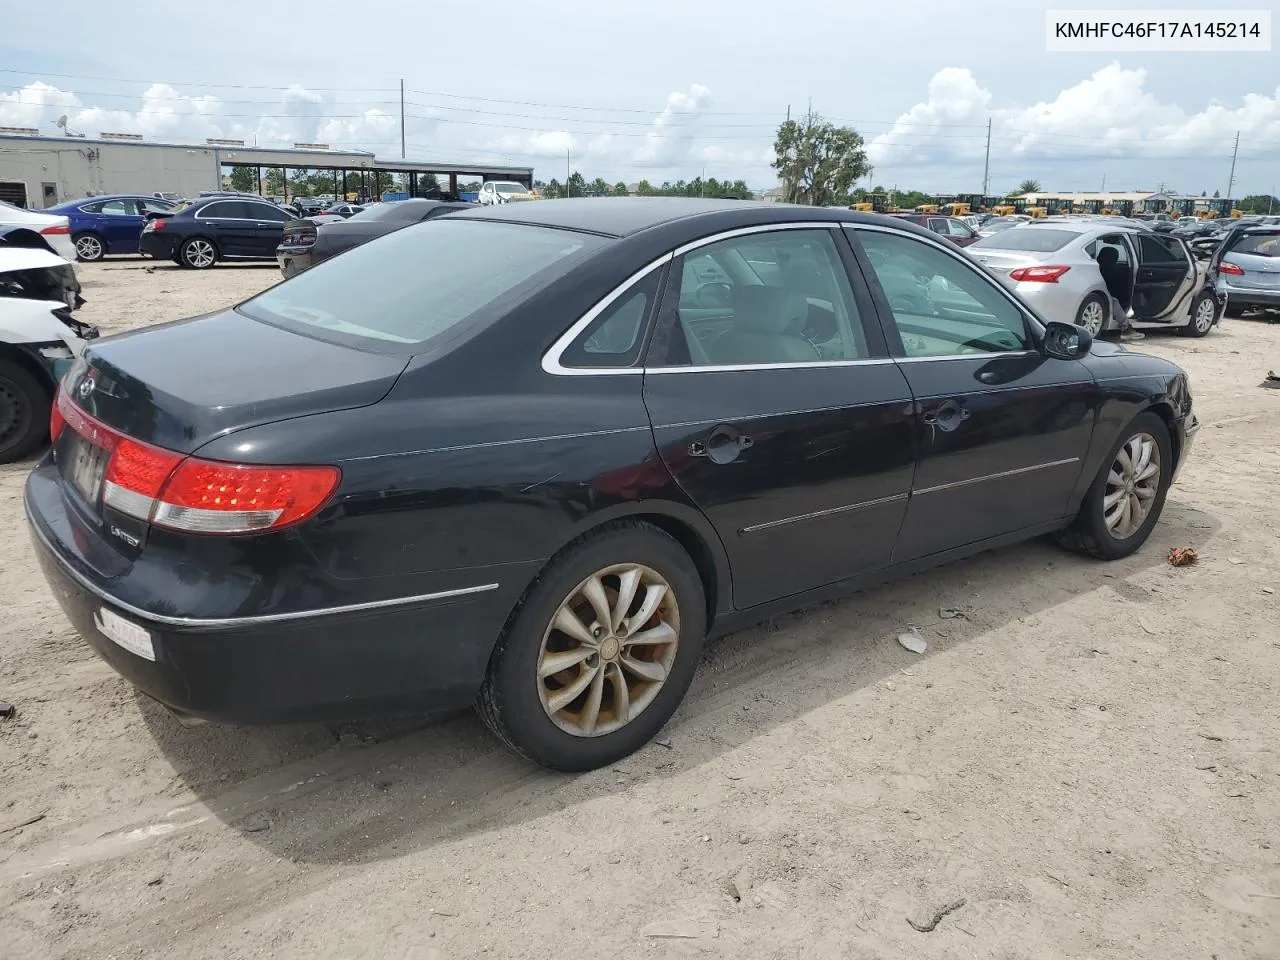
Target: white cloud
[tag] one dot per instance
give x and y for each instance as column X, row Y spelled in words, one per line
column 1110, row 114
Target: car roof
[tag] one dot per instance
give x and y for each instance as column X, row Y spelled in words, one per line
column 624, row 216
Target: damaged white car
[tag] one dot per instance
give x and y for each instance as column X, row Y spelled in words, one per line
column 39, row 340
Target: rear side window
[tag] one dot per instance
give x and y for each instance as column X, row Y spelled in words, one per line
column 1157, row 249
column 420, row 282
column 615, row 338
column 1030, row 239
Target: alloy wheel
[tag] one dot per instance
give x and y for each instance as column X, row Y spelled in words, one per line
column 1091, row 317
column 89, row 248
column 199, row 253
column 1205, row 312
column 608, row 650
column 1132, row 484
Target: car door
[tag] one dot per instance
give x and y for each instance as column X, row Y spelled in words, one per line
column 1001, row 429
column 230, row 225
column 121, row 225
column 268, row 228
column 776, row 409
column 1165, row 278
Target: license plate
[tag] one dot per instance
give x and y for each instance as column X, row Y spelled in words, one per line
column 87, row 465
column 124, row 633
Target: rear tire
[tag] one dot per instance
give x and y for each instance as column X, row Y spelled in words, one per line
column 1092, row 314
column 24, row 412
column 1096, row 530
column 1204, row 311
column 638, row 687
column 90, row 247
column 198, row 253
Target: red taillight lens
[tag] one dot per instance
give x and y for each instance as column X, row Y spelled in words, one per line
column 204, row 496
column 155, row 224
column 54, row 231
column 56, row 420
column 1037, row 274
column 184, row 493
column 1230, row 269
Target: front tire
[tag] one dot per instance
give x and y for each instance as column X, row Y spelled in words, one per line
column 24, row 412
column 600, row 650
column 89, row 247
column 1204, row 311
column 198, row 254
column 1092, row 314
column 1128, row 494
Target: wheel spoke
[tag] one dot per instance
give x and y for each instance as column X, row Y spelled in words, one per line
column 1111, row 499
column 621, row 695
column 1123, row 520
column 628, row 583
column 1147, row 472
column 644, row 669
column 662, row 633
column 591, row 709
column 1137, row 513
column 593, row 590
column 1145, row 493
column 652, row 597
column 1124, row 461
column 562, row 698
column 568, row 622
column 553, row 663
column 1145, row 449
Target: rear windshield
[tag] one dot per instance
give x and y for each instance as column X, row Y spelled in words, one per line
column 1031, row 239
column 1259, row 245
column 421, row 281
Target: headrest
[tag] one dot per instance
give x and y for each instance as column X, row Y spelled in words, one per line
column 1108, row 256
column 771, row 310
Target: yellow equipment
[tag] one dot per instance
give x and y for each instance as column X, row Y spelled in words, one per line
column 1004, row 211
column 1036, row 212
column 1236, row 214
column 956, row 209
column 927, row 208
column 864, row 207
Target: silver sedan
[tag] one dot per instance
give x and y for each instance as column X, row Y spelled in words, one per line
column 1071, row 270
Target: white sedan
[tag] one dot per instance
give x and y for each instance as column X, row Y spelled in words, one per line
column 31, row 228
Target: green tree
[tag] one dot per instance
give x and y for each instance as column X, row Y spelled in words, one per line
column 273, row 182
column 1215, row 194
column 1259, row 203
column 1029, row 186
column 620, row 189
column 577, row 185
column 818, row 161
column 553, row 190
column 598, row 187
column 242, row 178
column 644, row 189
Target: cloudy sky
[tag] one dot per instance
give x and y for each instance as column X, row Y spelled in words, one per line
column 659, row 89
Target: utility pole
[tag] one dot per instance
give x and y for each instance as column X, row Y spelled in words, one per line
column 1231, row 180
column 1271, row 199
column 1104, row 184
column 566, row 172
column 704, row 181
column 402, row 119
column 986, row 163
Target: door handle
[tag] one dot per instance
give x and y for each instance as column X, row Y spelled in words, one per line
column 946, row 416
column 722, row 445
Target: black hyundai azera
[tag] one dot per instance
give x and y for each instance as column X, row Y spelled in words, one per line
column 532, row 455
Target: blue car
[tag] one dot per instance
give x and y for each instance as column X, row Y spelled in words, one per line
column 108, row 224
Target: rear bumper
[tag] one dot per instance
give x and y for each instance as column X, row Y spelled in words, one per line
column 427, row 655
column 294, row 260
column 153, row 244
column 1248, row 296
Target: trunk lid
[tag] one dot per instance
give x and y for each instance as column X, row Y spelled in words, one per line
column 182, row 384
column 298, row 233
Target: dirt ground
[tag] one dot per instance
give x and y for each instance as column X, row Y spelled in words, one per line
column 1086, row 759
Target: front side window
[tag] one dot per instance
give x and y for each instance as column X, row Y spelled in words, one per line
column 780, row 297
column 265, row 211
column 429, row 278
column 942, row 306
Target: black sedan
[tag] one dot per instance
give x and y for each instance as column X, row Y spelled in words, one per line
column 532, row 455
column 307, row 243
column 200, row 233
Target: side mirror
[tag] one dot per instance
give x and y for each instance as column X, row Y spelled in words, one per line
column 1066, row 341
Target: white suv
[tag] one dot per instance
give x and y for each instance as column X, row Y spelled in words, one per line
column 504, row 191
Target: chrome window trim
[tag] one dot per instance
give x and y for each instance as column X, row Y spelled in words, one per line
column 551, row 359
column 955, row 253
column 233, row 622
column 199, row 215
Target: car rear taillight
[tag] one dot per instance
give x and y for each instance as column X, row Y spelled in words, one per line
column 57, row 230
column 1037, row 274
column 156, row 224
column 1231, row 269
column 195, row 495
column 56, row 420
